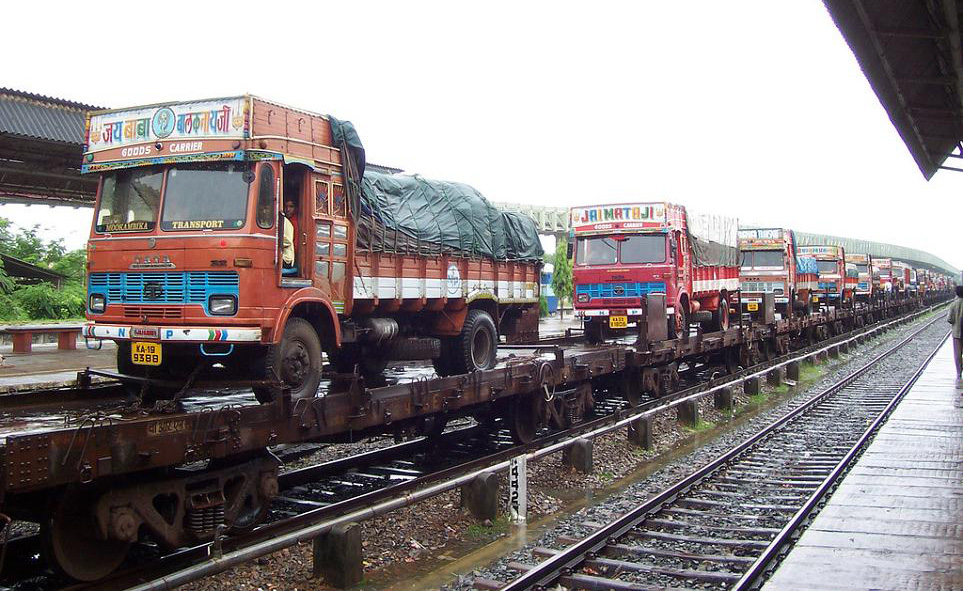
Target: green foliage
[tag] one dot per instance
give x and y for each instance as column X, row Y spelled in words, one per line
column 542, row 306
column 41, row 301
column 562, row 275
column 44, row 301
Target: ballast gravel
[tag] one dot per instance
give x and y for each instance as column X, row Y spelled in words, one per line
column 406, row 543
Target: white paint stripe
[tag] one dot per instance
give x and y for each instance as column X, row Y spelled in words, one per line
column 177, row 333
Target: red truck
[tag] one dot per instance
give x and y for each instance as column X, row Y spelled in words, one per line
column 832, row 288
column 770, row 265
column 865, row 284
column 241, row 233
column 625, row 252
column 883, row 275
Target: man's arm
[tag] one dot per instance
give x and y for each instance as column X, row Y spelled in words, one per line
column 287, row 244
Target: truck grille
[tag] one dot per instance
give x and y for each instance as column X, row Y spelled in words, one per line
column 624, row 291
column 192, row 287
column 762, row 286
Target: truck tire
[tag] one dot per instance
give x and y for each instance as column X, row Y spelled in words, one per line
column 475, row 348
column 296, row 361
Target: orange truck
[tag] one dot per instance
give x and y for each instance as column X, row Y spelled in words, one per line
column 241, row 236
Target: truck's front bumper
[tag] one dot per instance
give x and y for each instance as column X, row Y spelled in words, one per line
column 182, row 334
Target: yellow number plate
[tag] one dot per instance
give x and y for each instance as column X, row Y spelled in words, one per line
column 618, row 321
column 815, row 298
column 752, row 307
column 145, row 353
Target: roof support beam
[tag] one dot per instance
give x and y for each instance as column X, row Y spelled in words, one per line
column 909, row 33
column 952, row 14
column 932, row 80
column 891, row 76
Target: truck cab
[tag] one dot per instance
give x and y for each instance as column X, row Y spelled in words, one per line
column 626, row 252
column 831, row 267
column 769, row 265
column 863, row 292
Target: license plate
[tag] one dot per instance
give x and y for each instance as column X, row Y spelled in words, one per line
column 145, row 353
column 752, row 307
column 815, row 298
column 618, row 321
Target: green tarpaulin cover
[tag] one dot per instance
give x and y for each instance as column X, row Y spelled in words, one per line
column 410, row 214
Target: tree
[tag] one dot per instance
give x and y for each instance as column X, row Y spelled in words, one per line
column 562, row 275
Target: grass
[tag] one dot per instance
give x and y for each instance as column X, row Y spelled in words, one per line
column 480, row 530
column 700, row 426
column 606, row 476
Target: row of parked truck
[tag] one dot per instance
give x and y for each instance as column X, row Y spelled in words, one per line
column 708, row 268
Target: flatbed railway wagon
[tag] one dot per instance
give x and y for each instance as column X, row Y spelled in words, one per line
column 244, row 234
column 770, row 265
column 626, row 252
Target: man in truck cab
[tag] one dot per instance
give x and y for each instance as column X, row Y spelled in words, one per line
column 288, row 248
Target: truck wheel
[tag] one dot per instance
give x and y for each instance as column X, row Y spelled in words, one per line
column 296, row 361
column 720, row 317
column 475, row 347
column 593, row 331
column 679, row 323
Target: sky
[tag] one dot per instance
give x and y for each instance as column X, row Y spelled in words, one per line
column 755, row 109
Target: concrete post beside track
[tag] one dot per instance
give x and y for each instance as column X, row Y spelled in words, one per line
column 579, row 456
column 752, row 386
column 640, row 432
column 338, row 556
column 688, row 413
column 792, row 371
column 723, row 399
column 480, row 496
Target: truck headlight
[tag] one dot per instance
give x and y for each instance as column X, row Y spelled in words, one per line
column 583, row 298
column 223, row 305
column 97, row 303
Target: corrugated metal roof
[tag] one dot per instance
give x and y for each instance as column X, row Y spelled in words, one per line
column 910, row 52
column 40, row 117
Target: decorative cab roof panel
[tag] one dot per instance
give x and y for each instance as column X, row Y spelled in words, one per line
column 910, row 52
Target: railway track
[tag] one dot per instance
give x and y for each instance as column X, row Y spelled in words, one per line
column 322, row 494
column 723, row 526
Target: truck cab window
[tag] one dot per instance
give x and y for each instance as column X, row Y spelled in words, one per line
column 128, row 200
column 265, row 197
column 596, row 251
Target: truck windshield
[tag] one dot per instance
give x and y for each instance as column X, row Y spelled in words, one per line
column 128, row 200
column 205, row 196
column 827, row 267
column 863, row 269
column 597, row 251
column 762, row 258
column 649, row 248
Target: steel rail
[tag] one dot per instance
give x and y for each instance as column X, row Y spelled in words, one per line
column 758, row 568
column 309, row 525
column 566, row 561
column 494, row 462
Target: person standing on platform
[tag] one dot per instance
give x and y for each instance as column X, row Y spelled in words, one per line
column 955, row 318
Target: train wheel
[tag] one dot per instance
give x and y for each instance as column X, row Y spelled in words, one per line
column 523, row 417
column 296, row 361
column 70, row 545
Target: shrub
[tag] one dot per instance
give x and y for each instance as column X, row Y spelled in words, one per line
column 44, row 301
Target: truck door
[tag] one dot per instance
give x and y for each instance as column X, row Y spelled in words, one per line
column 334, row 235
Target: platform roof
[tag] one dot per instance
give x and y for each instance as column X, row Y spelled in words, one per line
column 41, row 147
column 910, row 52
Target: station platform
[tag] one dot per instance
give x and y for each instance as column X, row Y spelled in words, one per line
column 49, row 367
column 896, row 520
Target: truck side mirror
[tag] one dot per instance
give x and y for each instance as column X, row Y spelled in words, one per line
column 672, row 253
column 570, row 250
